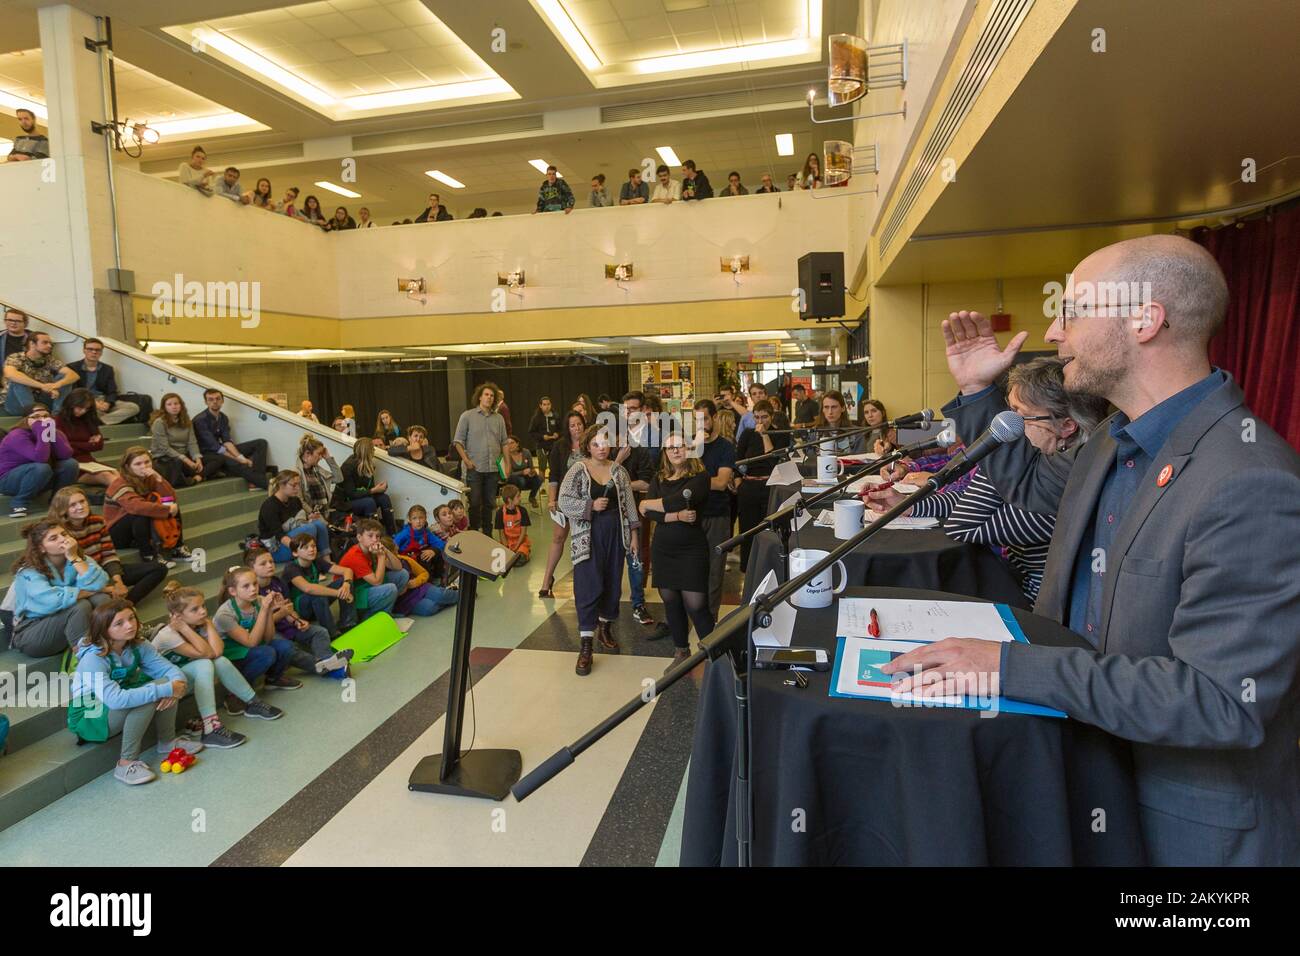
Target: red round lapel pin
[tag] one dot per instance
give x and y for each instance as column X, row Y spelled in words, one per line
column 1166, row 474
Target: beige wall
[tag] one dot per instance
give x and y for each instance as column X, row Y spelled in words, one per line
column 909, row 370
column 264, row 378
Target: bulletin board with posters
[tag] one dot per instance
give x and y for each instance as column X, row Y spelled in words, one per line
column 674, row 382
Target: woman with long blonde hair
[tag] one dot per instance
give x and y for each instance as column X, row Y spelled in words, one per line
column 358, row 493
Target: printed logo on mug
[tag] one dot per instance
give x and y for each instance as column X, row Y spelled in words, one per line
column 828, row 467
column 817, row 592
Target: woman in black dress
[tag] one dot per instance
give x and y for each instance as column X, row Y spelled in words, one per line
column 679, row 549
column 751, row 497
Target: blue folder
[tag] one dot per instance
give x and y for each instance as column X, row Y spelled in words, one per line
column 1005, row 704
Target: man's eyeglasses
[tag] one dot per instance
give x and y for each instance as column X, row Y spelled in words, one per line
column 1036, row 418
column 1070, row 313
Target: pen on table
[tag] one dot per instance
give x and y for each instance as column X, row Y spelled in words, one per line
column 874, row 627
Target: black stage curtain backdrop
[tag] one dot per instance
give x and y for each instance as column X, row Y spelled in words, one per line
column 413, row 398
column 524, row 388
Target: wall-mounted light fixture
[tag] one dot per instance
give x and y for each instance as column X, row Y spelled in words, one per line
column 857, row 69
column 414, row 289
column 621, row 272
column 513, row 280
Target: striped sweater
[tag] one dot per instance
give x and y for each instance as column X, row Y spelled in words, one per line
column 95, row 542
column 979, row 515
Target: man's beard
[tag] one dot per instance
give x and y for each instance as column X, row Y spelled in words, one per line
column 1100, row 373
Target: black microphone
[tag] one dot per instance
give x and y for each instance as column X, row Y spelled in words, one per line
column 921, row 419
column 1006, row 427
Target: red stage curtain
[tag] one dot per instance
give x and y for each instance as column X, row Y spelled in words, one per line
column 1260, row 342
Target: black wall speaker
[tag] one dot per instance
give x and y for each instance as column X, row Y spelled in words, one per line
column 821, row 280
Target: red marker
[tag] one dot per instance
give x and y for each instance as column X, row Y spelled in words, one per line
column 874, row 627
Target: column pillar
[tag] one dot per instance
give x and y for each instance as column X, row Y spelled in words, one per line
column 74, row 96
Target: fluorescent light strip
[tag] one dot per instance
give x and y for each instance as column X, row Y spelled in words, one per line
column 428, row 94
column 203, row 124
column 443, row 178
column 324, row 184
column 261, row 65
column 13, row 102
column 738, row 54
column 668, row 156
column 785, row 144
column 539, row 165
column 6, row 147
column 713, row 337
column 569, row 33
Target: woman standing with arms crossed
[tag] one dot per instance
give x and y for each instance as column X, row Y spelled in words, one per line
column 751, row 495
column 564, row 454
column 679, row 549
column 596, row 497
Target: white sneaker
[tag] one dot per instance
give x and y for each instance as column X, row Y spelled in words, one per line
column 136, row 772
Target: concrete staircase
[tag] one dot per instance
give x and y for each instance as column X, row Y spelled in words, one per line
column 43, row 761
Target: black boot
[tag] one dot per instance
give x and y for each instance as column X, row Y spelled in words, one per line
column 584, row 657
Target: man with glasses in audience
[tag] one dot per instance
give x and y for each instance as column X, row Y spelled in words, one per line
column 101, row 380
column 435, row 211
column 15, row 342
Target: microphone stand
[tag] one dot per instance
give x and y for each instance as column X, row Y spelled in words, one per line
column 791, row 449
column 726, row 639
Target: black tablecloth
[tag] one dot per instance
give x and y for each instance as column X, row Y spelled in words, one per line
column 862, row 782
column 918, row 559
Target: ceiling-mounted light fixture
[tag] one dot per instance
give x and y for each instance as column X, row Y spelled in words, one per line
column 668, row 156
column 785, row 144
column 443, row 178
column 326, row 184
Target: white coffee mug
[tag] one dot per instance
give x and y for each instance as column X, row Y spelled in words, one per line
column 828, row 467
column 818, row 591
column 848, row 517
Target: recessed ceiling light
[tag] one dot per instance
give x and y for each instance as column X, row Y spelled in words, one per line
column 736, row 54
column 12, row 101
column 569, row 33
column 429, row 94
column 668, row 156
column 261, row 65
column 785, row 144
column 203, row 124
column 539, row 165
column 443, row 178
column 325, row 184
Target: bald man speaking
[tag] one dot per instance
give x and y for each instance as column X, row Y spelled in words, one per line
column 1176, row 555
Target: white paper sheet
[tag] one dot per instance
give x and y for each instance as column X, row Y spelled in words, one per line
column 786, row 473
column 853, row 668
column 921, row 621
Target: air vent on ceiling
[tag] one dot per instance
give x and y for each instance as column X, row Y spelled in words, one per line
column 454, row 131
column 792, row 93
column 1004, row 19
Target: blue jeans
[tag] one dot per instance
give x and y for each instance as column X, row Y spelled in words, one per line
column 20, row 396
column 272, row 659
column 636, row 580
column 317, row 529
column 382, row 597
column 434, row 600
column 316, row 607
column 367, row 506
column 27, row 481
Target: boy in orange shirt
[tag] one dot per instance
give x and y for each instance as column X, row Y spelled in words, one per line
column 512, row 524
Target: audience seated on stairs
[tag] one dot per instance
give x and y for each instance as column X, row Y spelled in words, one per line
column 313, row 639
column 319, row 472
column 50, row 577
column 359, row 493
column 173, row 446
column 36, row 372
column 417, row 449
column 79, row 422
column 314, row 582
column 135, row 505
column 283, row 513
column 133, row 580
column 247, row 459
column 101, row 380
column 121, row 686
column 190, row 641
column 34, row 457
column 417, row 541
